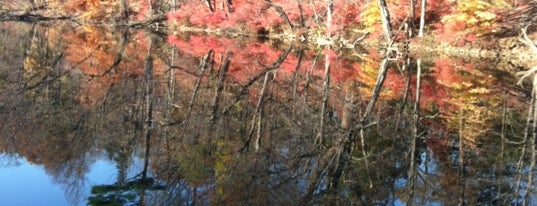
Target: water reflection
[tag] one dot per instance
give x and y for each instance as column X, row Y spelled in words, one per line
column 211, row 120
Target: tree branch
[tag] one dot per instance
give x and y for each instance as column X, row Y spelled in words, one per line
column 526, row 40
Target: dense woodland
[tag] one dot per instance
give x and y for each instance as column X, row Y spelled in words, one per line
column 447, row 21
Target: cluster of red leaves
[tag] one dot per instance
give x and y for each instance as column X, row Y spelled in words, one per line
column 252, row 58
column 258, row 14
column 254, row 15
column 198, row 14
column 246, row 61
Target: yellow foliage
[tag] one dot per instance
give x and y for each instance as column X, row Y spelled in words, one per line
column 370, row 17
column 32, row 59
column 88, row 9
column 475, row 14
column 473, row 113
column 368, row 77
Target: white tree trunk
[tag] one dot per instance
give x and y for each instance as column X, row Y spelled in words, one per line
column 385, row 16
column 422, row 17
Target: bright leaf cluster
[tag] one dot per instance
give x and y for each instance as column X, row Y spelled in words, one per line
column 471, row 18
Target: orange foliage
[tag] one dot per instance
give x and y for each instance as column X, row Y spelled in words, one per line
column 94, row 51
column 90, row 9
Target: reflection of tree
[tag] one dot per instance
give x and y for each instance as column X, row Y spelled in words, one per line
column 46, row 124
column 221, row 125
column 127, row 191
column 470, row 100
column 471, row 111
column 286, row 158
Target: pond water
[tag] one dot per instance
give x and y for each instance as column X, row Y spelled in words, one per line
column 99, row 116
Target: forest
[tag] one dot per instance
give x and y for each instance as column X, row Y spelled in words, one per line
column 338, row 23
column 241, row 102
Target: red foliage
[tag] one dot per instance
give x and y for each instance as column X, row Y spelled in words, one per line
column 258, row 14
column 143, row 12
column 244, row 12
column 252, row 58
column 94, row 51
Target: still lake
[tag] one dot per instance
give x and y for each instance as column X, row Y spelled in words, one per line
column 99, row 116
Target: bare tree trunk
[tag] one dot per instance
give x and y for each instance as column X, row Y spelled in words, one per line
column 326, row 89
column 295, row 81
column 411, row 12
column 385, row 16
column 533, row 148
column 257, row 142
column 422, row 17
column 222, row 74
column 461, row 173
column 148, row 78
column 349, row 109
column 257, row 118
column 124, row 10
column 203, row 66
column 412, row 169
column 364, row 153
column 329, row 18
column 301, row 14
column 209, row 5
column 281, row 12
column 383, row 71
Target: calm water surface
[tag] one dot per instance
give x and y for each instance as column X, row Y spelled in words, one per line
column 94, row 116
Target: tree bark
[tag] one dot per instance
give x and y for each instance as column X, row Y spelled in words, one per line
column 124, row 9
column 329, row 18
column 411, row 12
column 422, row 17
column 385, row 16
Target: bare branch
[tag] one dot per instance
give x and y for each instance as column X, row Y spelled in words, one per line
column 526, row 40
column 281, row 12
column 525, row 74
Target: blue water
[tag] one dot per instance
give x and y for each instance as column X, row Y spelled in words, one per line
column 27, row 184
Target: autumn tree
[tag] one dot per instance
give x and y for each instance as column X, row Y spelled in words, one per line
column 470, row 19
